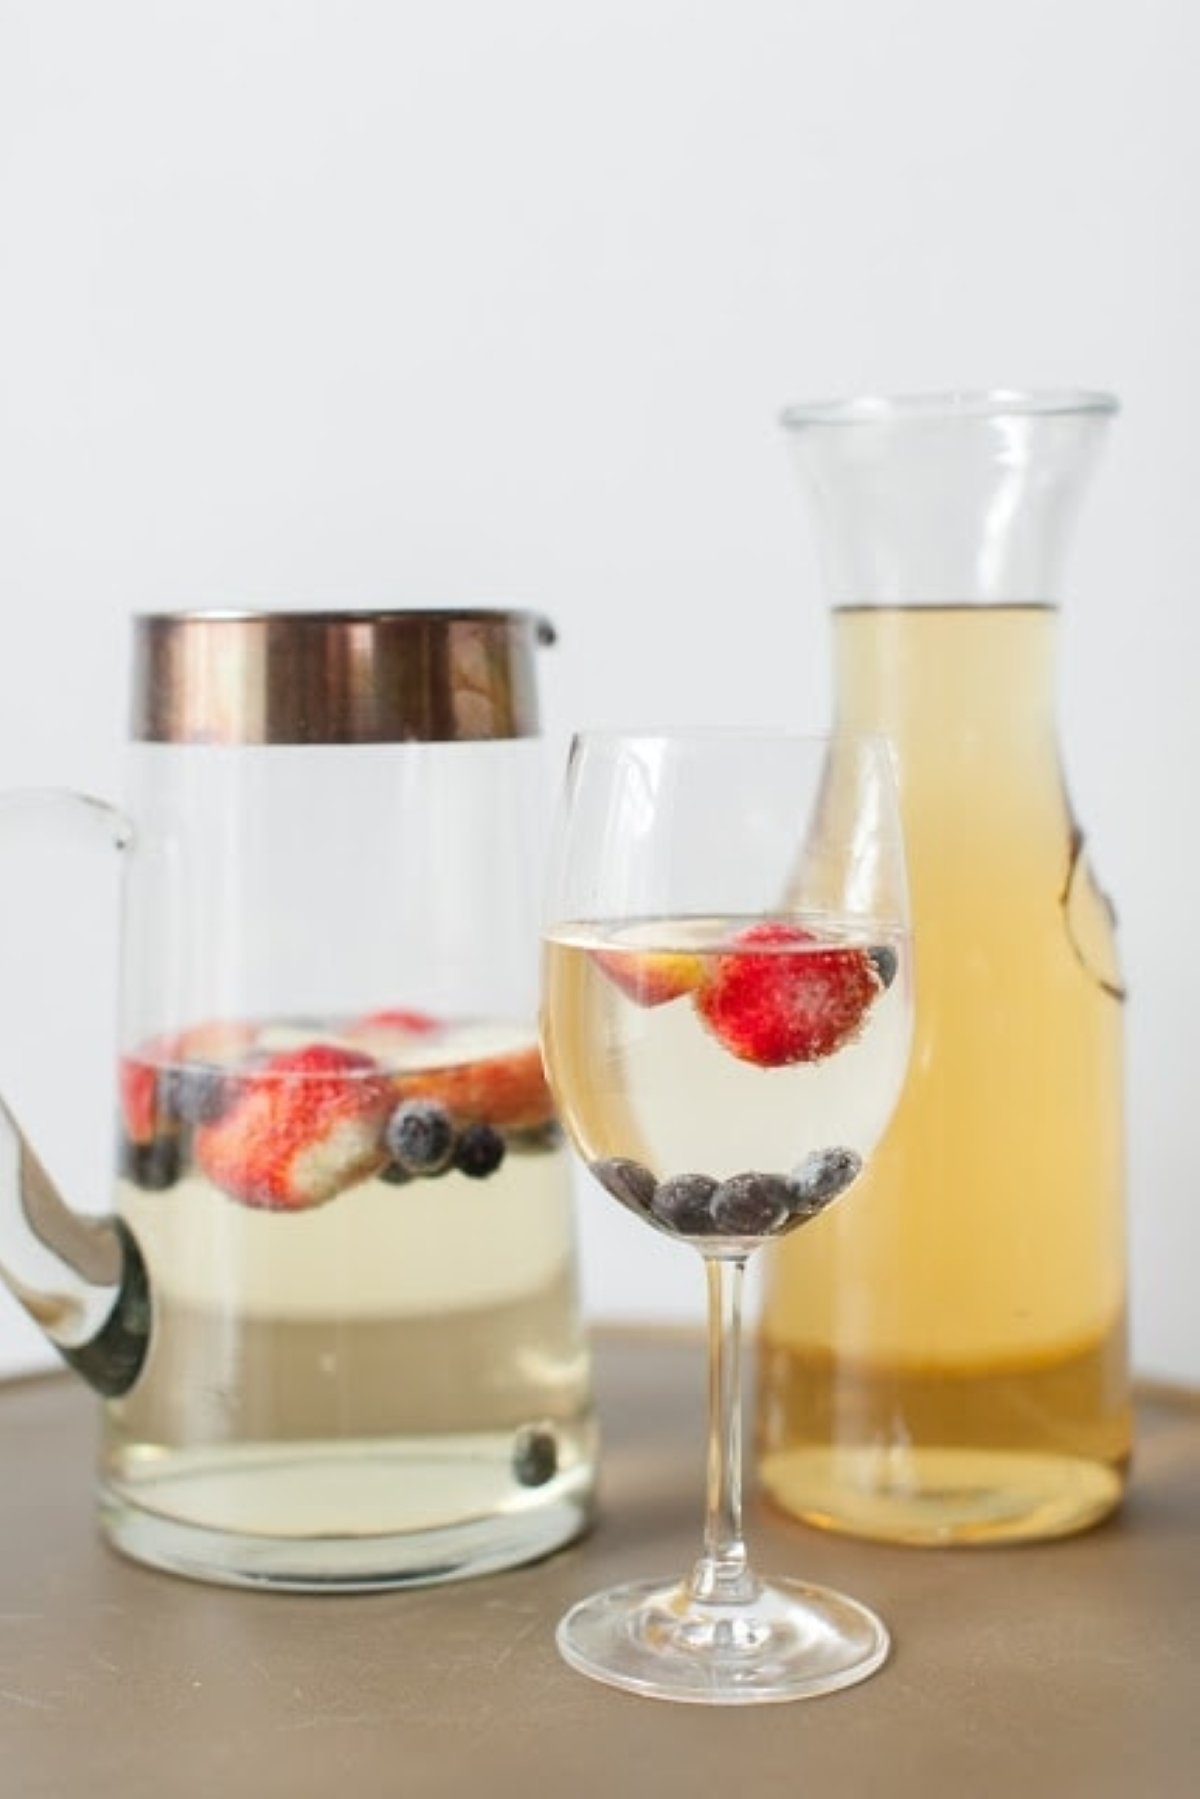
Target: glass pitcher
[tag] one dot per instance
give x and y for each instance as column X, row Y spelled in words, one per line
column 944, row 1359
column 334, row 1315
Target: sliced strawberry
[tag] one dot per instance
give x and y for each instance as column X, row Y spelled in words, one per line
column 391, row 1034
column 395, row 1018
column 303, row 1126
column 650, row 977
column 507, row 1090
column 137, row 1094
column 776, row 1008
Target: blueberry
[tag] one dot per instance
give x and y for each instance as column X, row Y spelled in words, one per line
column 627, row 1181
column 479, row 1151
column 884, row 961
column 196, row 1095
column 535, row 1455
column 420, row 1137
column 154, row 1166
column 820, row 1178
column 683, row 1204
column 750, row 1205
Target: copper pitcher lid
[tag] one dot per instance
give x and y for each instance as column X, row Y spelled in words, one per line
column 257, row 677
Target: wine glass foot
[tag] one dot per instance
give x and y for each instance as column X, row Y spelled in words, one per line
column 791, row 1641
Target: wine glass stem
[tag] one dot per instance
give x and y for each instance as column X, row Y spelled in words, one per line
column 722, row 1575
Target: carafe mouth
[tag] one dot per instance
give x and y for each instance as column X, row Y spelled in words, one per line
column 947, row 499
column 968, row 403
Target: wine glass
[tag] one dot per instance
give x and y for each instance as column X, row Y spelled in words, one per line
column 725, row 1022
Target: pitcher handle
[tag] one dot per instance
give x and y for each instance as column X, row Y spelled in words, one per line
column 81, row 1279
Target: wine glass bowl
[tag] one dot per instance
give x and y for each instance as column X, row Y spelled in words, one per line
column 725, row 1023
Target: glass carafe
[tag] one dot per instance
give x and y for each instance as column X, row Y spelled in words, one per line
column 334, row 1318
column 944, row 1361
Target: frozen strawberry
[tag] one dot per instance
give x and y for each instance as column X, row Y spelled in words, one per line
column 650, row 977
column 777, row 1008
column 137, row 1094
column 508, row 1091
column 404, row 1023
column 149, row 1151
column 300, row 1127
column 391, row 1035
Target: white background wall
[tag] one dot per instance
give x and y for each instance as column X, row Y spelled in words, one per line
column 352, row 301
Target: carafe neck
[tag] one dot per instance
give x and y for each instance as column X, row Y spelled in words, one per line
column 948, row 500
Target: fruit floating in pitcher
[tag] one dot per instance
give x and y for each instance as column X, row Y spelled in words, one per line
column 286, row 1116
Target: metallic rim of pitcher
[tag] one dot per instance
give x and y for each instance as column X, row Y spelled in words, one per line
column 996, row 402
column 350, row 615
column 220, row 675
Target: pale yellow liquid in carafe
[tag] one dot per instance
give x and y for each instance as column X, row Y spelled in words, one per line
column 943, row 1356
